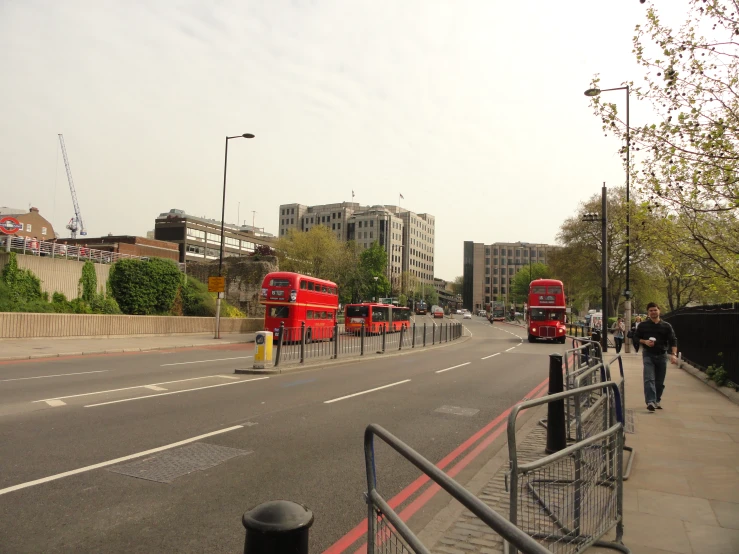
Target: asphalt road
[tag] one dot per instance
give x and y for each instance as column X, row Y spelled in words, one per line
column 300, row 435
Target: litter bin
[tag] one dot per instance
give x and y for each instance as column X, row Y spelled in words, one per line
column 263, row 350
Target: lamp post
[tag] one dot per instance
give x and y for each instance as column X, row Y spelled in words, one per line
column 375, row 278
column 223, row 216
column 627, row 291
column 603, row 218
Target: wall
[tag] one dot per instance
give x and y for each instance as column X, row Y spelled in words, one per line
column 22, row 325
column 244, row 278
column 57, row 275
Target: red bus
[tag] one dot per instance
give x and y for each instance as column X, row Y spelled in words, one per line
column 292, row 299
column 546, row 310
column 375, row 316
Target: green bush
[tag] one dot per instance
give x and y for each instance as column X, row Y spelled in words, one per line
column 197, row 301
column 145, row 287
column 22, row 286
column 88, row 284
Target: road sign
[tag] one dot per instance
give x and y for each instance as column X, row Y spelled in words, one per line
column 216, row 284
column 10, row 225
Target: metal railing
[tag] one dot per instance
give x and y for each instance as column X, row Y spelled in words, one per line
column 387, row 533
column 297, row 344
column 56, row 249
column 570, row 499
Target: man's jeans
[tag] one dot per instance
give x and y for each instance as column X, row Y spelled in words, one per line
column 655, row 370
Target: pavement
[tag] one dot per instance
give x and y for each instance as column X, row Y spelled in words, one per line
column 683, row 492
column 23, row 349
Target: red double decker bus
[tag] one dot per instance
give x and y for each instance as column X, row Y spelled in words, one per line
column 546, row 310
column 375, row 316
column 292, row 298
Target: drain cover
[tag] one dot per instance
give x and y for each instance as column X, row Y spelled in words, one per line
column 456, row 410
column 168, row 466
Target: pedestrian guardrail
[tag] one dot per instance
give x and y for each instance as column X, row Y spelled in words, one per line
column 571, row 498
column 298, row 344
column 388, row 533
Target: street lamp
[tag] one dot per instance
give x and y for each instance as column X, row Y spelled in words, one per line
column 627, row 293
column 375, row 278
column 223, row 216
column 603, row 218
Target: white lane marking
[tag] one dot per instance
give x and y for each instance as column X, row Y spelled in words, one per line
column 511, row 348
column 174, row 392
column 365, row 392
column 204, row 361
column 55, row 403
column 491, row 356
column 154, row 387
column 115, row 461
column 59, row 375
column 228, row 377
column 126, row 388
column 453, row 367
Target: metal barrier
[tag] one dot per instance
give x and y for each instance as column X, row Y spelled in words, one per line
column 296, row 344
column 570, row 499
column 387, row 533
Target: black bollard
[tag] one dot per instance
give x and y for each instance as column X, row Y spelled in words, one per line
column 277, row 526
column 556, row 436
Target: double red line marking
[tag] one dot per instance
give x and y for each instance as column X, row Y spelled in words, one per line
column 360, row 530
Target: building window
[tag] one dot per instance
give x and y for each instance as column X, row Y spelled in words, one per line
column 43, row 230
column 487, row 251
column 372, row 223
column 292, row 211
column 292, row 220
column 338, row 225
column 487, row 280
column 510, row 271
column 487, row 261
column 495, row 290
column 502, row 290
column 525, row 253
column 333, row 226
column 487, row 290
column 487, row 271
column 370, row 234
column 495, row 251
column 28, row 227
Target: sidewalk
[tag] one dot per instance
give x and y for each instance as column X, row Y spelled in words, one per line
column 23, row 349
column 683, row 492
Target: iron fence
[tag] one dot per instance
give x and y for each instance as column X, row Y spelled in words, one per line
column 297, row 344
column 387, row 533
column 570, row 499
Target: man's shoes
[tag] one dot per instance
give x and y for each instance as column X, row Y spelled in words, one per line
column 651, row 407
column 656, row 405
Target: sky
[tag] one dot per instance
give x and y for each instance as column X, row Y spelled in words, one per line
column 473, row 110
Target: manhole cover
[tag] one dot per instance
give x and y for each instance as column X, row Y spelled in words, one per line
column 168, row 466
column 456, row 410
column 630, row 425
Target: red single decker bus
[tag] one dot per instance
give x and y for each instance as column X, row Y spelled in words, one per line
column 292, row 299
column 375, row 316
column 546, row 310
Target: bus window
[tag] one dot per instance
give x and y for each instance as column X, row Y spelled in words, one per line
column 554, row 290
column 309, row 314
column 324, row 289
column 380, row 313
column 279, row 282
column 310, row 285
column 303, row 285
column 357, row 311
column 279, row 311
column 555, row 316
column 538, row 290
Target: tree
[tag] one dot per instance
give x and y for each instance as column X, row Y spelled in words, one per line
column 522, row 279
column 145, row 287
column 262, row 250
column 458, row 284
column 690, row 157
column 88, row 283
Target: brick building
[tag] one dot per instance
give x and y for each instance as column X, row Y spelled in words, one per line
column 133, row 246
column 34, row 225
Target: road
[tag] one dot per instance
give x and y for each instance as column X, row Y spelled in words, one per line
column 68, row 425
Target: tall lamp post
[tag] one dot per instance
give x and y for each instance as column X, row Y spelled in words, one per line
column 223, row 216
column 603, row 218
column 627, row 292
column 375, row 278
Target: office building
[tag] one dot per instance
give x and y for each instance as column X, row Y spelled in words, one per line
column 199, row 239
column 407, row 237
column 489, row 269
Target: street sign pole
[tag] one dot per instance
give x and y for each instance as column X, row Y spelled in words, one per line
column 217, row 285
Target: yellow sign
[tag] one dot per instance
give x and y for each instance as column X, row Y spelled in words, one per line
column 216, row 284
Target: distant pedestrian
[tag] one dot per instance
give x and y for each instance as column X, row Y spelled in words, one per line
column 656, row 337
column 618, row 333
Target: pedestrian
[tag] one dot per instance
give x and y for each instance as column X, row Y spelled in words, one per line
column 656, row 337
column 618, row 333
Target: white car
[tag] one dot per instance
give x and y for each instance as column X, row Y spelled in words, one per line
column 467, row 315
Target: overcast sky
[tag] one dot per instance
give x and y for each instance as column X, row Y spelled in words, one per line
column 473, row 110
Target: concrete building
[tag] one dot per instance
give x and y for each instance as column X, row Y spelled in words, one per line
column 199, row 239
column 407, row 237
column 34, row 225
column 126, row 244
column 489, row 269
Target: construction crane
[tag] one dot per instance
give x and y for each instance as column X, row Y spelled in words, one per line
column 75, row 224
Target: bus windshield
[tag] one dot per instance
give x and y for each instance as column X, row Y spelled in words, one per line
column 357, row 311
column 279, row 311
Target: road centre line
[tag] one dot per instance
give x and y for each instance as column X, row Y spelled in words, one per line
column 126, row 388
column 453, row 367
column 59, row 375
column 511, row 348
column 115, row 461
column 204, row 361
column 491, row 356
column 365, row 392
column 174, row 392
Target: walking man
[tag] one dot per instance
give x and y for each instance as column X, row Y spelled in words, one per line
column 656, row 337
column 618, row 334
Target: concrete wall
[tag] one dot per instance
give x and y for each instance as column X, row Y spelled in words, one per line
column 22, row 325
column 58, row 275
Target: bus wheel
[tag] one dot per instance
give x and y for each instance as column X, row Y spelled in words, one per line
column 307, row 336
column 532, row 338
